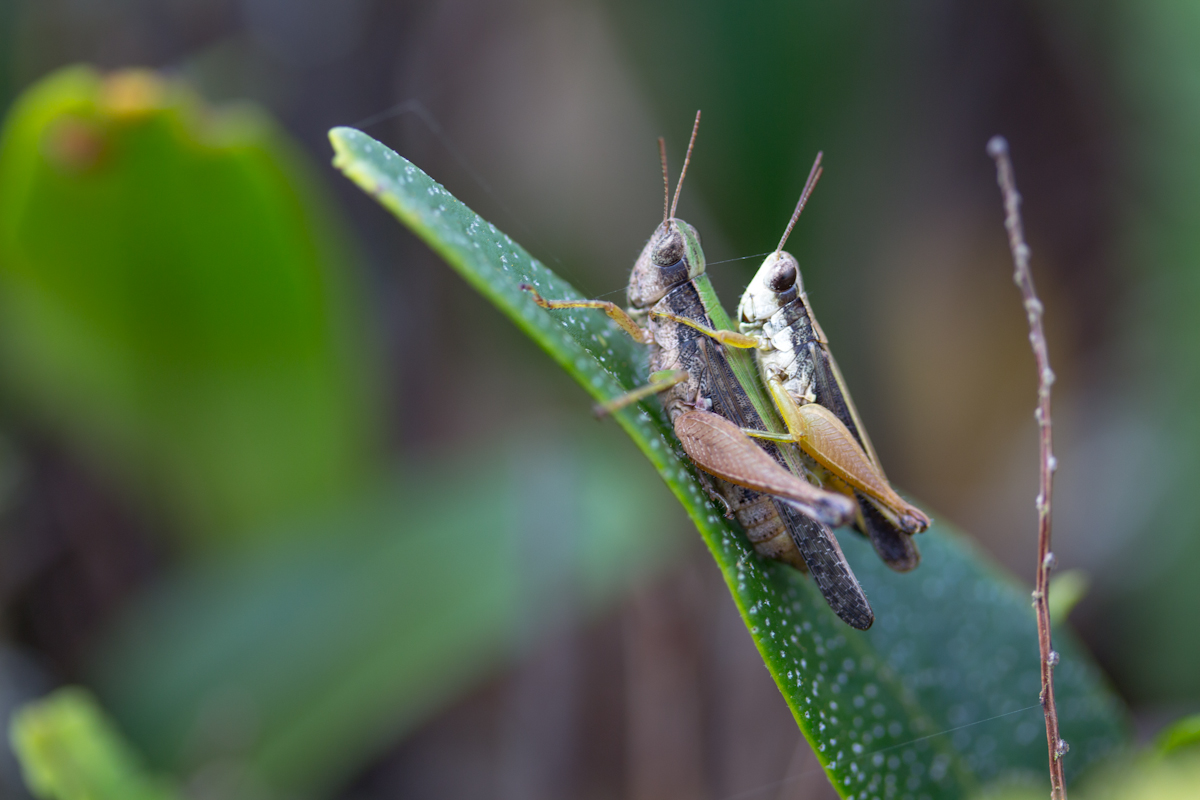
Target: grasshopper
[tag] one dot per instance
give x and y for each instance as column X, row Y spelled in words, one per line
column 811, row 397
column 712, row 396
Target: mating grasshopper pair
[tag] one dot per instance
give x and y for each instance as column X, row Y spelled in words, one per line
column 789, row 484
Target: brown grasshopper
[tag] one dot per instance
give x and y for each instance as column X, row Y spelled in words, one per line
column 713, row 397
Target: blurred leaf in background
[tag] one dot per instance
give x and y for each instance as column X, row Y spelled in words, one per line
column 288, row 667
column 176, row 301
column 1154, row 52
column 70, row 751
column 1182, row 734
column 178, row 309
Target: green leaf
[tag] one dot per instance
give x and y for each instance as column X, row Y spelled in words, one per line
column 174, row 300
column 939, row 697
column 70, row 751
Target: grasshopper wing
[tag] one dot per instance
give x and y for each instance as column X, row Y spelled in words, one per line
column 829, row 568
column 895, row 547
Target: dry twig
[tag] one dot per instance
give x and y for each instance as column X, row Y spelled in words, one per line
column 998, row 149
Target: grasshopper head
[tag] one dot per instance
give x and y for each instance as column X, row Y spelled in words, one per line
column 776, row 284
column 671, row 257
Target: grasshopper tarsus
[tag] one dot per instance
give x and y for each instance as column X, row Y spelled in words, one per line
column 915, row 522
column 536, row 295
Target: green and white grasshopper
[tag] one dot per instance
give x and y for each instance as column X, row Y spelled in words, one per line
column 712, row 396
column 811, row 397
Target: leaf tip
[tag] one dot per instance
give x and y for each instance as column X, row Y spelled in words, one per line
column 339, row 138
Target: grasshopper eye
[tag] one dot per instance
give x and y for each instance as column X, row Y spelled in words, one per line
column 783, row 277
column 669, row 251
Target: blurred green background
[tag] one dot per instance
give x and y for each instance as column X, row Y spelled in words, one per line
column 309, row 516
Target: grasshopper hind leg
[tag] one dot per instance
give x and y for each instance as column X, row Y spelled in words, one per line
column 721, row 448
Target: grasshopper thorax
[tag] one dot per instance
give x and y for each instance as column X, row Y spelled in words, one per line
column 776, row 284
column 673, row 256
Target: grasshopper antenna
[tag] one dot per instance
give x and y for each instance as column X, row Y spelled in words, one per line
column 814, row 175
column 662, row 155
column 686, row 159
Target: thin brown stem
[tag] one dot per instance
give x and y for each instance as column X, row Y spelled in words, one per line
column 998, row 149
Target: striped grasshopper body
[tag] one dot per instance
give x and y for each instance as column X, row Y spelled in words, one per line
column 712, row 396
column 810, row 395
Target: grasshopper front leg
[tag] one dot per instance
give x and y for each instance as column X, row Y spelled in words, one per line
column 659, row 381
column 614, row 312
column 820, row 434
